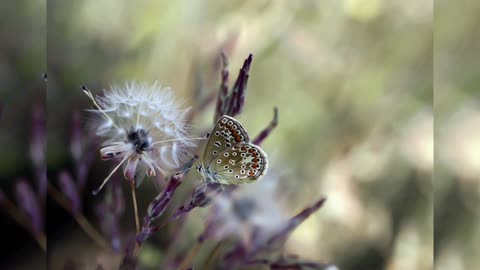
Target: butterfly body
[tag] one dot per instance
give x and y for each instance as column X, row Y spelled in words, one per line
column 229, row 157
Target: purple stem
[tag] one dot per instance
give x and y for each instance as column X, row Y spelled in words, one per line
column 266, row 132
column 294, row 222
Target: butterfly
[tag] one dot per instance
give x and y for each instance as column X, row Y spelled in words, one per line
column 229, row 156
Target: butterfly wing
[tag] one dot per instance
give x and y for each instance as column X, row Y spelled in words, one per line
column 242, row 163
column 226, row 133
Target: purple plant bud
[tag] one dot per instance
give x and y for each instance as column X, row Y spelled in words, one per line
column 264, row 134
column 29, row 204
column 204, row 193
column 70, row 191
column 237, row 98
column 232, row 103
column 160, row 203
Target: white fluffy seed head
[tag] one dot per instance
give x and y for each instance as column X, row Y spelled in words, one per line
column 142, row 125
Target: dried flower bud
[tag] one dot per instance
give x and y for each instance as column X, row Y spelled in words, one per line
column 232, row 103
column 160, row 203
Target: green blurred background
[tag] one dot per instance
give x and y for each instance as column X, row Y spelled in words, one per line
column 457, row 135
column 353, row 83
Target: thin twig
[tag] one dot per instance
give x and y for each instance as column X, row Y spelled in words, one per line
column 79, row 217
column 265, row 132
column 136, row 250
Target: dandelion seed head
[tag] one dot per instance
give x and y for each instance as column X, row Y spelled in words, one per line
column 144, row 126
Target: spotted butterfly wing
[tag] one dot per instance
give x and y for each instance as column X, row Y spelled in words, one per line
column 226, row 133
column 229, row 157
column 243, row 163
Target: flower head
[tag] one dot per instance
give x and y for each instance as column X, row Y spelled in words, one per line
column 143, row 127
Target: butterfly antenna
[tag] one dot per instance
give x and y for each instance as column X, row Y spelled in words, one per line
column 90, row 95
column 95, row 192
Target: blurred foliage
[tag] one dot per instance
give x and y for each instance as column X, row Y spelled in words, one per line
column 457, row 129
column 23, row 53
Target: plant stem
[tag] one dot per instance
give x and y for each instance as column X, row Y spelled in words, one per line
column 135, row 208
column 79, row 217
